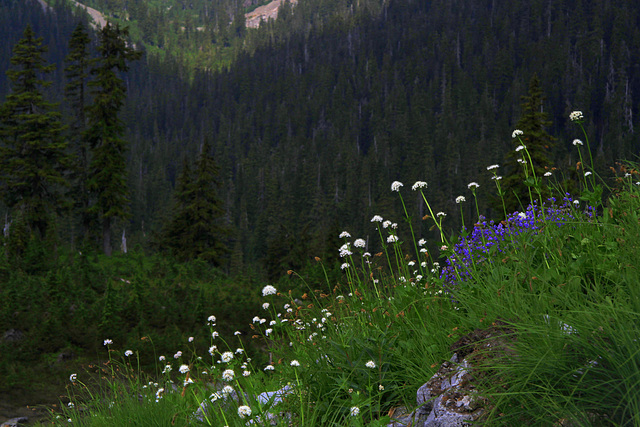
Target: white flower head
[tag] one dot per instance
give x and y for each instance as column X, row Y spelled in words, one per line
column 269, row 368
column 190, row 339
column 376, row 218
column 246, row 373
column 212, row 349
column 211, row 319
column 128, row 353
column 496, row 177
column 265, row 306
column 177, row 355
column 108, row 342
column 492, row 167
column 226, row 357
column 577, row 142
column 441, row 214
column 360, row 243
column 354, row 411
column 392, row 239
column 184, row 369
column 418, row 185
column 422, row 242
column 473, row 185
column 516, row 133
column 344, row 266
column 460, row 199
column 587, row 173
column 239, row 350
column 520, row 147
column 295, row 363
column 386, row 224
column 370, row 364
column 575, row 116
column 344, row 234
column 395, row 186
column 548, row 174
column 521, row 161
column 73, row 377
column 161, row 358
column 228, row 375
column 226, row 390
column 576, row 202
column 244, row 411
column 269, row 290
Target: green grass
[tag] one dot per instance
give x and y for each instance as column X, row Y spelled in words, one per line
column 348, row 356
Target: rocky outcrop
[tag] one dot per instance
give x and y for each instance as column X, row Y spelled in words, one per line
column 450, row 398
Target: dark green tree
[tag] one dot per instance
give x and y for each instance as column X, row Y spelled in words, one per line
column 33, row 158
column 533, row 123
column 77, row 73
column 107, row 169
column 197, row 228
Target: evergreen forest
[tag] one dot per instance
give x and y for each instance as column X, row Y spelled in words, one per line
column 175, row 144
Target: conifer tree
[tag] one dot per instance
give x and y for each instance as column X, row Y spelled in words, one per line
column 538, row 141
column 77, row 74
column 196, row 229
column 33, row 158
column 107, row 169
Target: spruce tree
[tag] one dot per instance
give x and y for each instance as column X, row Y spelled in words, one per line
column 196, row 229
column 107, row 170
column 533, row 123
column 77, row 74
column 33, row 158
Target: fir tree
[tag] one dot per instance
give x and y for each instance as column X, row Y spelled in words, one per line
column 107, row 169
column 196, row 229
column 77, row 74
column 533, row 124
column 33, row 158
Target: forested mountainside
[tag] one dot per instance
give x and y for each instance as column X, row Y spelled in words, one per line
column 310, row 128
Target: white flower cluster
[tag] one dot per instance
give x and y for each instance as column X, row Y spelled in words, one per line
column 395, row 186
column 575, row 116
column 269, row 290
column 460, row 199
column 244, row 411
column 492, row 167
column 577, row 142
column 418, row 185
column 370, row 364
column 516, row 133
column 473, row 185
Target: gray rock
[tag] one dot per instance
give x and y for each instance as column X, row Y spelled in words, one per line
column 14, row 422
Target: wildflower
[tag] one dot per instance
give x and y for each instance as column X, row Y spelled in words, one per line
column 516, row 133
column 177, row 355
column 269, row 368
column 344, row 266
column 265, row 306
column 344, row 250
column 263, row 321
column 411, row 263
column 587, row 173
column 211, row 319
column 295, row 363
column 239, row 350
column 520, row 147
column 473, row 185
column 496, row 178
column 128, row 353
column 354, row 411
column 577, row 142
column 548, row 174
column 226, row 356
column 108, row 342
column 244, row 411
column 161, row 358
column 376, row 218
column 187, row 381
column 190, row 339
column 460, row 199
column 268, row 331
column 441, row 214
column 576, row 202
column 392, row 239
column 395, row 186
column 366, row 255
column 575, row 116
column 492, row 167
column 228, row 375
column 159, row 393
column 167, row 369
column 394, row 225
column 226, row 391
column 370, row 364
column 521, row 161
column 215, row 334
column 381, row 387
column 386, row 224
column 246, row 373
column 444, row 247
column 183, row 369
column 268, row 290
column 418, row 185
column 344, row 234
column 73, row 377
column 70, row 405
column 212, row 349
column 360, row 243
column 422, row 242
column 214, row 396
